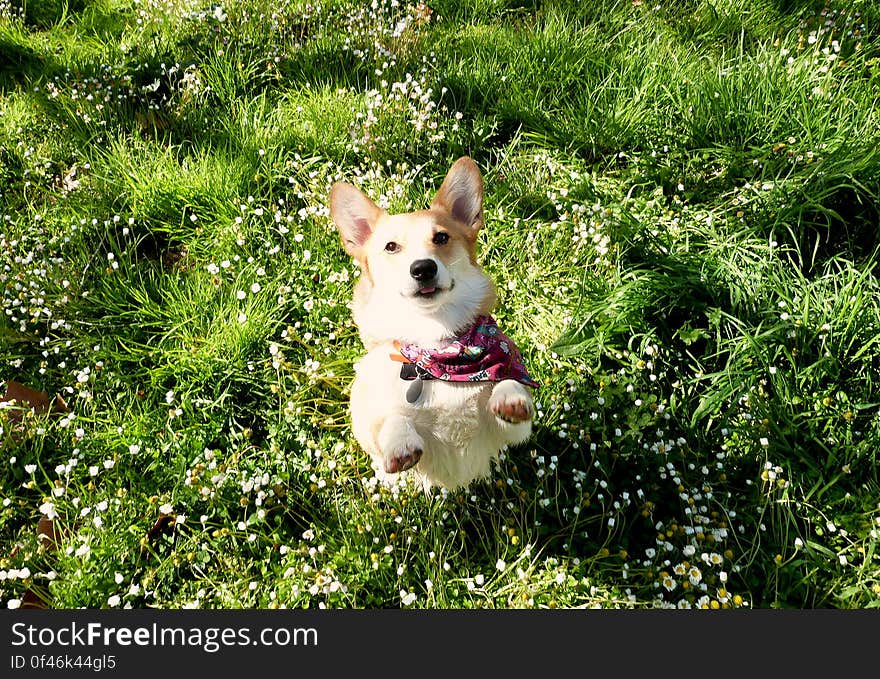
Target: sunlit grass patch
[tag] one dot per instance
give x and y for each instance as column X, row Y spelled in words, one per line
column 681, row 220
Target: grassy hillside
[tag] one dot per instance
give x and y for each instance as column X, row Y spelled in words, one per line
column 683, row 212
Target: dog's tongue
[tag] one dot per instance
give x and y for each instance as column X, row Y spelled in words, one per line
column 428, row 290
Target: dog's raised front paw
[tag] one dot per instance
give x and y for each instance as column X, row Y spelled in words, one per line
column 511, row 402
column 402, row 459
column 400, row 444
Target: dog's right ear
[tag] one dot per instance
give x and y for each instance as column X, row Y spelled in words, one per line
column 461, row 194
column 355, row 216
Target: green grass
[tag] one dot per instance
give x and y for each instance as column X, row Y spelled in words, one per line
column 682, row 211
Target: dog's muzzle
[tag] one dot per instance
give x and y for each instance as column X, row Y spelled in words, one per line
column 424, row 273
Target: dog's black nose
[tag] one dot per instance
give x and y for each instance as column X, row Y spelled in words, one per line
column 423, row 270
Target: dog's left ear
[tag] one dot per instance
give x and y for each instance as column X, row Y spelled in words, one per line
column 461, row 194
column 355, row 216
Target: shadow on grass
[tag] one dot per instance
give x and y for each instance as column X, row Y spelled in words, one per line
column 20, row 64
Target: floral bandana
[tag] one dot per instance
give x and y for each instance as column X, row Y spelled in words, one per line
column 481, row 354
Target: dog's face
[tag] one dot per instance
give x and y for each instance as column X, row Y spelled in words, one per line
column 420, row 256
column 418, row 264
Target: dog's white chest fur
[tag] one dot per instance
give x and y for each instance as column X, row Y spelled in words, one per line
column 460, row 434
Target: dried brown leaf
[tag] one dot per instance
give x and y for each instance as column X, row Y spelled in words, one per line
column 48, row 532
column 25, row 398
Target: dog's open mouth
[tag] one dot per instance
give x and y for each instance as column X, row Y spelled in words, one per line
column 432, row 291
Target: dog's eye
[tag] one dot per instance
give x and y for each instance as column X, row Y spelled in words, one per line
column 391, row 247
column 440, row 238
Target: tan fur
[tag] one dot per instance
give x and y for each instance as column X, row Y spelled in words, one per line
column 452, row 434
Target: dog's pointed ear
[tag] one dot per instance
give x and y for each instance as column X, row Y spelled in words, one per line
column 355, row 216
column 461, row 193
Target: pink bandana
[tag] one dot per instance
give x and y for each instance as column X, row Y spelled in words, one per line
column 481, row 354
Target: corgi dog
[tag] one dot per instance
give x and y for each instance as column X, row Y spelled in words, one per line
column 441, row 390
